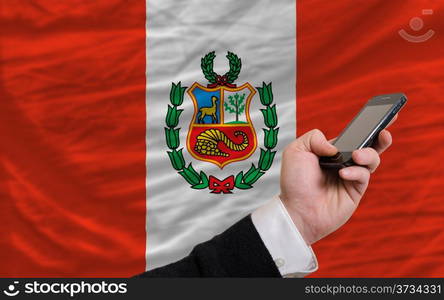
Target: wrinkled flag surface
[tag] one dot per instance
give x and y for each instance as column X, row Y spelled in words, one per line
column 108, row 109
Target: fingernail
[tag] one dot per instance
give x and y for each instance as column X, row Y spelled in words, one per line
column 345, row 172
column 331, row 146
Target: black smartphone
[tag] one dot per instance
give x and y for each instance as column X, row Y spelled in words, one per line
column 364, row 129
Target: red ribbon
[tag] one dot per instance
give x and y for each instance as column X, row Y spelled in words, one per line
column 221, row 186
column 221, row 81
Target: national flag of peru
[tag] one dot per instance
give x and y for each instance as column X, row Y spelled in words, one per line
column 133, row 130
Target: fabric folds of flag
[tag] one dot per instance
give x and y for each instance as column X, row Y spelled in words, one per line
column 133, row 130
column 363, row 52
column 72, row 124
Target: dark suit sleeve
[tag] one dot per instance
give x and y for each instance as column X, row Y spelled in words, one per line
column 237, row 252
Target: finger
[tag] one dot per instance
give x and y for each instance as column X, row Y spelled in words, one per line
column 359, row 175
column 367, row 157
column 314, row 141
column 384, row 141
column 355, row 173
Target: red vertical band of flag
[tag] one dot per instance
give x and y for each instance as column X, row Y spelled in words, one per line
column 349, row 51
column 72, row 128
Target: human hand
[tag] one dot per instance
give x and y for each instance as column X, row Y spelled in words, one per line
column 319, row 201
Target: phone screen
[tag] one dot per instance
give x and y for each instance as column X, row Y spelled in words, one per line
column 361, row 127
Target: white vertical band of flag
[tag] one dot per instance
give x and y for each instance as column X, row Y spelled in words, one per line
column 263, row 34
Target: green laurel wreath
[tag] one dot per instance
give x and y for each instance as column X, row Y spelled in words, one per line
column 199, row 180
column 207, row 65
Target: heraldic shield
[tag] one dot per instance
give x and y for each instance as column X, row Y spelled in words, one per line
column 221, row 131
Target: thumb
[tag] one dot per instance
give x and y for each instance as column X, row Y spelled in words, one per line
column 314, row 141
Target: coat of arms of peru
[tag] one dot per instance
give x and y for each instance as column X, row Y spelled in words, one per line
column 221, row 131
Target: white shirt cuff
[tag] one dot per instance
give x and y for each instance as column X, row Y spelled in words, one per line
column 291, row 254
